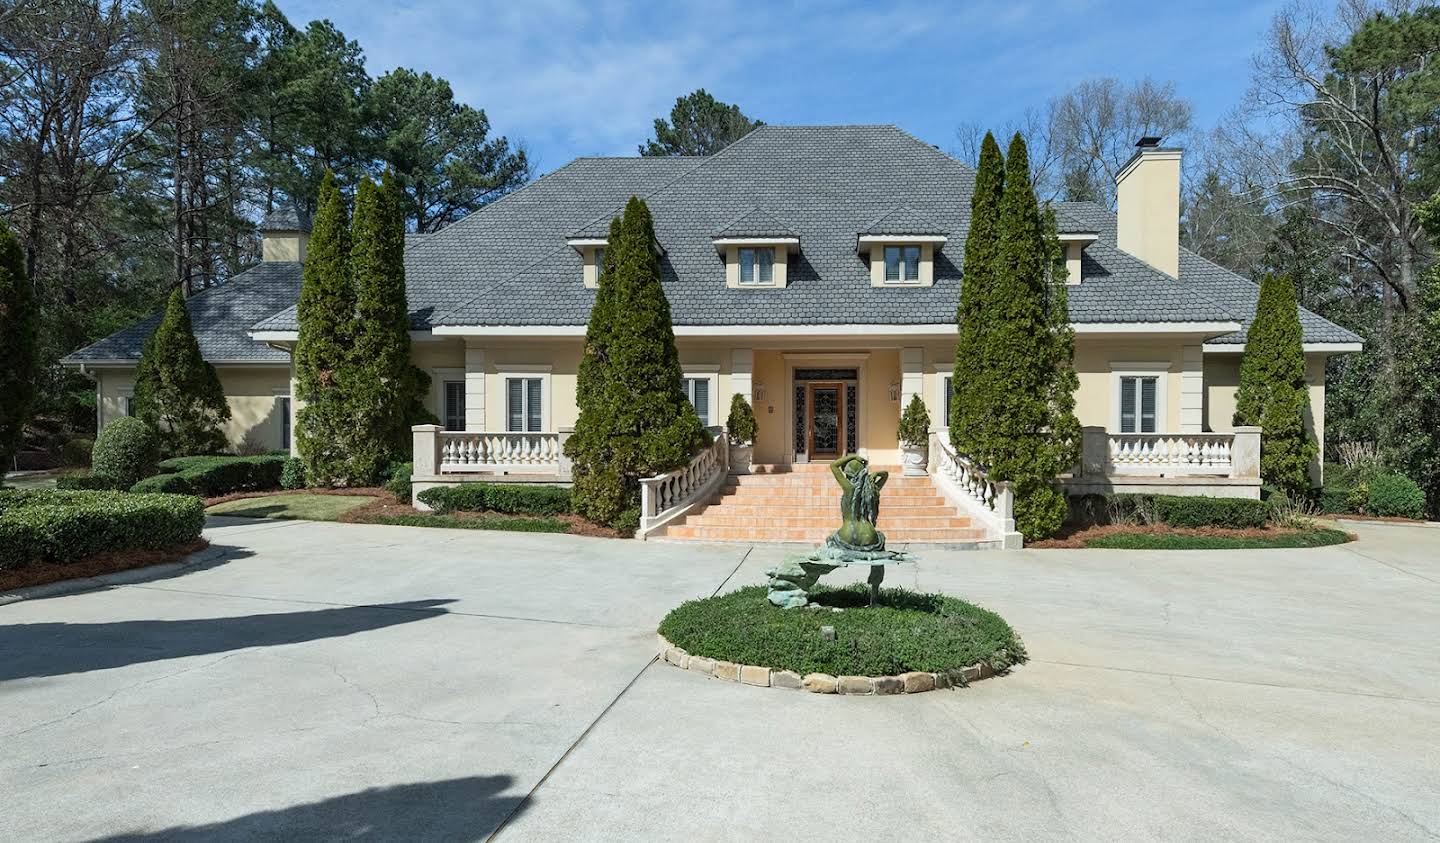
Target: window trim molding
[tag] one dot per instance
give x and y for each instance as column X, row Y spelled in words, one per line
column 438, row 376
column 711, row 373
column 518, row 371
column 926, row 277
column 779, row 267
column 1158, row 370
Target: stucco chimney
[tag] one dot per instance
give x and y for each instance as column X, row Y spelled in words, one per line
column 284, row 234
column 1147, row 197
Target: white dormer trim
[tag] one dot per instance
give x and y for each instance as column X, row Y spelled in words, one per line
column 1086, row 237
column 580, row 244
column 791, row 244
column 867, row 240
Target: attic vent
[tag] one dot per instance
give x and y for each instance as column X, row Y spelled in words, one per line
column 1149, row 142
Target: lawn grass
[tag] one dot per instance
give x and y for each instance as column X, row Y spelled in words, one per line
column 488, row 522
column 1316, row 537
column 907, row 631
column 299, row 506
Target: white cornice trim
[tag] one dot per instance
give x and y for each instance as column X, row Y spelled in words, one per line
column 757, row 241
column 1078, row 237
column 942, row 329
column 1156, row 327
column 1309, row 347
column 864, row 241
column 275, row 336
column 124, row 363
column 579, row 243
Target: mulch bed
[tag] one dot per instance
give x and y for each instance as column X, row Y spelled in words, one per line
column 1383, row 519
column 43, row 573
column 1076, row 537
column 387, row 504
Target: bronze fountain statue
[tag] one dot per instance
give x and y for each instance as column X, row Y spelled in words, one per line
column 857, row 542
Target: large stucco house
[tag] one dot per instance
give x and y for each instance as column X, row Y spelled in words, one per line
column 814, row 270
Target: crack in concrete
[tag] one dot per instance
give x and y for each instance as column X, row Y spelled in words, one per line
column 1348, row 549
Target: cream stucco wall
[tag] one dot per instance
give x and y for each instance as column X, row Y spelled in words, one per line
column 251, row 392
column 1222, row 379
column 1147, row 200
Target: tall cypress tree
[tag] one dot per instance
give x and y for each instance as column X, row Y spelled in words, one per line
column 384, row 389
column 19, row 320
column 635, row 420
column 325, row 428
column 1031, row 434
column 973, row 379
column 1272, row 391
column 176, row 390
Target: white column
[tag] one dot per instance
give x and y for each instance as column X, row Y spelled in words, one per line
column 474, row 387
column 912, row 375
column 1192, row 389
column 742, row 378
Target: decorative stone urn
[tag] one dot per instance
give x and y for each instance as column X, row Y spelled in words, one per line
column 741, row 457
column 915, row 459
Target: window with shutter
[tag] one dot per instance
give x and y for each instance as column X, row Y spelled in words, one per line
column 698, row 391
column 454, row 405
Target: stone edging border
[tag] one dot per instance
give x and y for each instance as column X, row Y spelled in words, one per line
column 823, row 683
column 131, row 575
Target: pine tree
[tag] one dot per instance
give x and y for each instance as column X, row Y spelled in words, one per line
column 384, row 389
column 19, row 318
column 1031, row 434
column 973, row 378
column 326, row 312
column 176, row 390
column 635, row 420
column 1272, row 391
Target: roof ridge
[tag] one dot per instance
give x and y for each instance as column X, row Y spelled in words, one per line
column 520, row 273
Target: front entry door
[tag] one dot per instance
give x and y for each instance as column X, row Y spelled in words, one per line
column 826, row 421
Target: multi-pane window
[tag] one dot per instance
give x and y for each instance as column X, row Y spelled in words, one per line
column 757, row 266
column 1138, row 411
column 698, row 391
column 454, row 405
column 282, row 407
column 902, row 264
column 127, row 405
column 523, row 412
column 599, row 261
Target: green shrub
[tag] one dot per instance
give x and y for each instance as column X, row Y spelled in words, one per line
column 127, row 450
column 741, row 421
column 914, row 427
column 212, row 477
column 86, row 482
column 61, row 526
column 494, row 522
column 77, row 451
column 174, row 484
column 292, row 473
column 1395, row 495
column 398, row 481
column 1200, row 511
column 628, row 521
column 513, row 498
column 1314, row 537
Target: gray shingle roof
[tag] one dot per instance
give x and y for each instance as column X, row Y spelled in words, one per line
column 221, row 317
column 903, row 220
column 756, row 222
column 508, row 263
column 286, row 218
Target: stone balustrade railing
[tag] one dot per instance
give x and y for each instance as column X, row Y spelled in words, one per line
column 1232, row 455
column 970, row 487
column 440, row 451
column 665, row 497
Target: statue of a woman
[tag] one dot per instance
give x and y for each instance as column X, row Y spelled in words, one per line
column 859, row 504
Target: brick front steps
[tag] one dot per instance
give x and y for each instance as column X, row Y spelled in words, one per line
column 801, row 503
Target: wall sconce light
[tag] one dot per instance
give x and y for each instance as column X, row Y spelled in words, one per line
column 758, row 389
column 894, row 390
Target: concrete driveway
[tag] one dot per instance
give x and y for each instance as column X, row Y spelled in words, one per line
column 325, row 681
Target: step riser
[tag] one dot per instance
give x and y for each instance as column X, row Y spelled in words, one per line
column 746, row 510
column 823, row 523
column 810, row 536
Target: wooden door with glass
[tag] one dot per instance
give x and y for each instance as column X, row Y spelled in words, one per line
column 826, row 420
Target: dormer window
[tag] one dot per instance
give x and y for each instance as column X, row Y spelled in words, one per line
column 757, row 267
column 592, row 258
column 902, row 264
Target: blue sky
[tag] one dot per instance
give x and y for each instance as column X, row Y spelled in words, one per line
column 588, row 77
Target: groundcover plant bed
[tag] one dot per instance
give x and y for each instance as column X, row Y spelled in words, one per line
column 907, row 631
column 1317, row 537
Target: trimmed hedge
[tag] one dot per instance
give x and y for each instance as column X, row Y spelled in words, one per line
column 211, row 477
column 86, row 482
column 77, row 451
column 59, row 526
column 513, row 498
column 1191, row 511
column 127, row 451
column 1395, row 495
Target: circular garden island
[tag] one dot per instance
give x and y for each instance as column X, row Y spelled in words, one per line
column 906, row 642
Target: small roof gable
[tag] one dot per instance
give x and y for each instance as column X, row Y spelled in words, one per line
column 756, row 222
column 903, row 220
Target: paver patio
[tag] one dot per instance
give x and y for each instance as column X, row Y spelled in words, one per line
column 356, row 681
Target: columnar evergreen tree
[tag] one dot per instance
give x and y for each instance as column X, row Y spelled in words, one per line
column 1272, row 391
column 322, row 358
column 19, row 318
column 635, row 420
column 973, row 379
column 176, row 390
column 1027, row 432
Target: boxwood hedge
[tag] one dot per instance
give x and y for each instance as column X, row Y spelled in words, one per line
column 1191, row 511
column 513, row 498
column 62, row 526
column 211, row 477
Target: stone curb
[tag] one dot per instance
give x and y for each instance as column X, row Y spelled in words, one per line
column 79, row 584
column 823, row 683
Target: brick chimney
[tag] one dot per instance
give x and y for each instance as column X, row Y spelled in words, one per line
column 1147, row 197
column 284, row 234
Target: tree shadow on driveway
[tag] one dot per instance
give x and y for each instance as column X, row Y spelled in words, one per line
column 56, row 649
column 454, row 809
